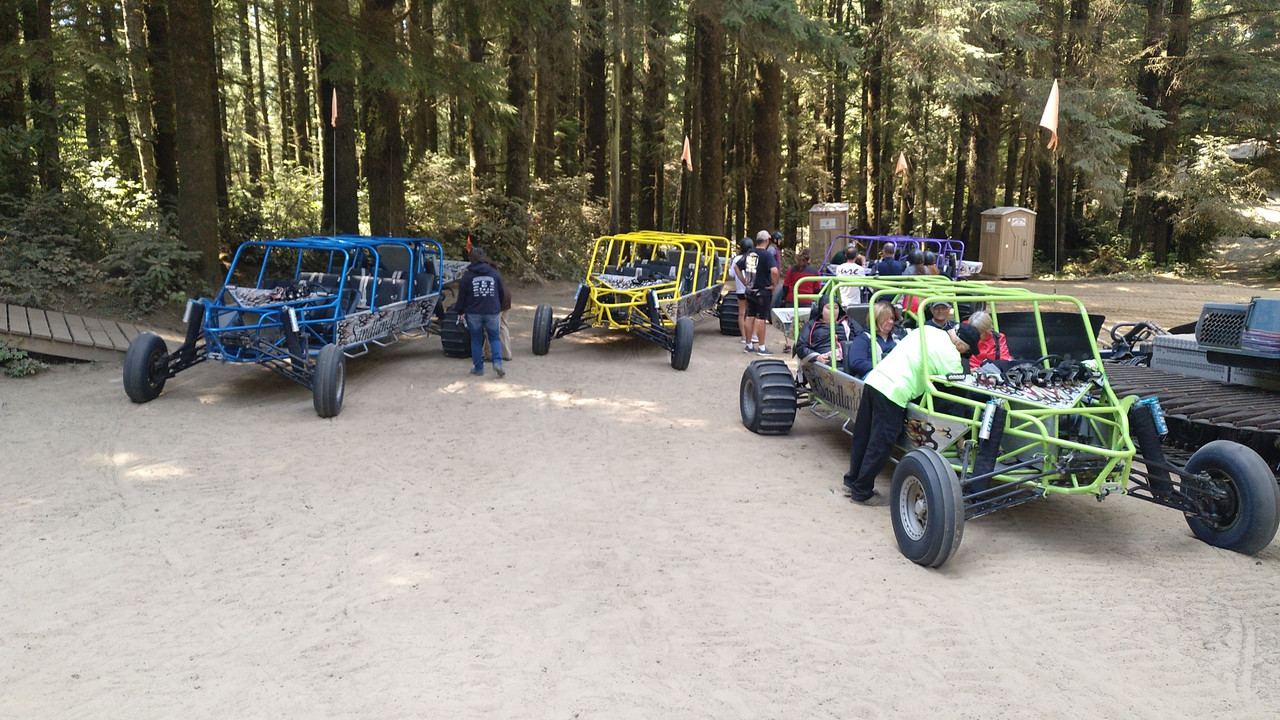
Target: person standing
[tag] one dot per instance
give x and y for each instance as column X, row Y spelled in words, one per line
column 897, row 379
column 479, row 305
column 760, row 276
column 744, row 247
column 851, row 267
column 888, row 264
column 504, row 330
column 802, row 269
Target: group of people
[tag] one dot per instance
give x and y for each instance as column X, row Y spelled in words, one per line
column 941, row 344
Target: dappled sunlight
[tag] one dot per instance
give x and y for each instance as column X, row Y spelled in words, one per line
column 129, row 465
column 407, row 579
column 26, row 502
column 621, row 409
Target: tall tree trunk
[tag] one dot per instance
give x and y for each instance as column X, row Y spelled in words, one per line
column 709, row 41
column 988, row 111
column 863, row 178
column 762, row 191
column 1164, row 208
column 253, row 147
column 340, row 210
column 839, row 104
column 93, row 82
column 553, row 76
column 791, row 213
column 1146, row 154
column 424, row 133
column 139, row 106
column 653, row 112
column 874, row 74
column 963, row 138
column 126, row 153
column 595, row 125
column 519, row 84
column 301, row 104
column 191, row 26
column 1011, row 158
column 159, row 60
column 626, row 147
column 384, row 142
column 478, row 118
column 223, row 179
column 37, row 23
column 262, row 87
column 288, row 142
column 14, row 158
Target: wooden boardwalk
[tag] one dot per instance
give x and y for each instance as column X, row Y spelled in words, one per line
column 68, row 336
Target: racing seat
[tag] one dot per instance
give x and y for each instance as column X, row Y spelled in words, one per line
column 1064, row 334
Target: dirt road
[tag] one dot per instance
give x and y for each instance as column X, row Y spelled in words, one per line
column 595, row 536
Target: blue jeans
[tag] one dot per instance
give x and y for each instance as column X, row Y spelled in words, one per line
column 489, row 324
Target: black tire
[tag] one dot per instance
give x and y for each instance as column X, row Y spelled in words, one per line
column 455, row 338
column 682, row 348
column 1250, row 513
column 330, row 381
column 927, row 507
column 767, row 398
column 729, row 315
column 144, row 374
column 543, row 321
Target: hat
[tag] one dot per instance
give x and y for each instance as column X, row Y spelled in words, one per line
column 478, row 255
column 969, row 335
column 763, row 236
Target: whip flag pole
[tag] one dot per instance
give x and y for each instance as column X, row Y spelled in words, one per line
column 1049, row 121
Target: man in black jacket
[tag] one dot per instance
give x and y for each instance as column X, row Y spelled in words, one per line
column 479, row 305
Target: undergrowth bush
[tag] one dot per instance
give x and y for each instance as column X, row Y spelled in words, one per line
column 16, row 363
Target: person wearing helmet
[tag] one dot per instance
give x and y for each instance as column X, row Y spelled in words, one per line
column 915, row 264
column 931, row 262
column 744, row 247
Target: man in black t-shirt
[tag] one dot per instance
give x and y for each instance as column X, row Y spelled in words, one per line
column 759, row 275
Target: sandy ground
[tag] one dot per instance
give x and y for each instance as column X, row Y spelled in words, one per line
column 596, row 536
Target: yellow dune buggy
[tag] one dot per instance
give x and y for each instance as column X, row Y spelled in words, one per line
column 650, row 284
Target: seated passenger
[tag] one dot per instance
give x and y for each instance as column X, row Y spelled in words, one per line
column 801, row 269
column 991, row 344
column 859, row 361
column 814, row 343
column 940, row 316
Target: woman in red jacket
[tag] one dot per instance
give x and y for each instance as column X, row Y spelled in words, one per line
column 991, row 344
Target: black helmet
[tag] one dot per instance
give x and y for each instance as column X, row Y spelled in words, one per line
column 745, row 244
column 930, row 257
column 915, row 257
column 776, row 235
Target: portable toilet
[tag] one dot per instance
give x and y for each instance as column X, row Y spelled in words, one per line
column 827, row 221
column 1006, row 242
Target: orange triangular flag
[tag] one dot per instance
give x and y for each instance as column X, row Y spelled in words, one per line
column 1049, row 120
column 686, row 155
column 468, row 244
column 902, row 163
column 333, row 118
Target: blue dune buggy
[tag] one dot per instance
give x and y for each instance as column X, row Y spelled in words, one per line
column 300, row 307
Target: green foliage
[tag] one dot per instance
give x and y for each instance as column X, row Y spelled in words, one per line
column 16, row 363
column 287, row 206
column 550, row 238
column 100, row 237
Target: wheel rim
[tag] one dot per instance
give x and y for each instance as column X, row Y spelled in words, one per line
column 154, row 376
column 913, row 508
column 1223, row 512
column 749, row 399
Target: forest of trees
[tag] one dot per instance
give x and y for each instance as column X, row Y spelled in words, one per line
column 142, row 140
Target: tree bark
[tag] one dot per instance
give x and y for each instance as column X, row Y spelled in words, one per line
column 288, row 143
column 15, row 159
column 519, row 84
column 424, row 132
column 963, row 138
column 340, row 209
column 135, row 33
column 37, row 22
column 653, row 111
column 126, row 153
column 595, row 126
column 384, row 141
column 191, row 26
column 874, row 74
column 478, row 119
column 988, row 110
column 252, row 145
column 262, row 87
column 762, row 191
column 162, row 103
column 709, row 169
column 554, row 60
column 301, row 104
column 1146, row 154
column 626, row 146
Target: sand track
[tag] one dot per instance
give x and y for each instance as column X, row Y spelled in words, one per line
column 594, row 536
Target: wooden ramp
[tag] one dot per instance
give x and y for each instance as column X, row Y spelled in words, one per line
column 68, row 336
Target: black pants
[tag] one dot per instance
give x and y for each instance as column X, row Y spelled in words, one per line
column 875, row 430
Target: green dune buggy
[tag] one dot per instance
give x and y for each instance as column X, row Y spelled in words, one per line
column 1048, row 424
